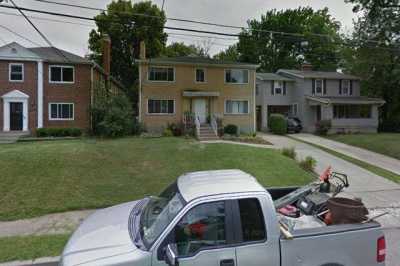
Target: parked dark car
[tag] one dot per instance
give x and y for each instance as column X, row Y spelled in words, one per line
column 294, row 125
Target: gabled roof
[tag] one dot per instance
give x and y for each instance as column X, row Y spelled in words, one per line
column 16, row 51
column 316, row 74
column 272, row 76
column 55, row 55
column 197, row 60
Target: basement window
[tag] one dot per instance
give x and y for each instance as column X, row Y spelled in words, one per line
column 61, row 74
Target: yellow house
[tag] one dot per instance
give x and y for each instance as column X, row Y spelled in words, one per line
column 173, row 89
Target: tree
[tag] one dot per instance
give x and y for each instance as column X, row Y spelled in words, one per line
column 230, row 54
column 180, row 49
column 375, row 56
column 314, row 37
column 126, row 30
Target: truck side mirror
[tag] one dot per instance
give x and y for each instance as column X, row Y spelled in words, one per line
column 171, row 255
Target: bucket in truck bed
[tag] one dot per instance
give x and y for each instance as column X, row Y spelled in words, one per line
column 345, row 211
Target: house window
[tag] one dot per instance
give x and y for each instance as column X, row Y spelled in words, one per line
column 278, row 85
column 200, row 75
column 160, row 106
column 236, row 107
column 161, row 74
column 61, row 111
column 352, row 111
column 319, row 86
column 61, row 74
column 238, row 76
column 257, row 90
column 346, row 87
column 16, row 72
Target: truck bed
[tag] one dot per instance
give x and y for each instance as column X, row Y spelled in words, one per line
column 348, row 244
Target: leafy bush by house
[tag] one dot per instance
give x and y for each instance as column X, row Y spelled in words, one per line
column 277, row 124
column 231, row 129
column 289, row 152
column 168, row 132
column 308, row 164
column 58, row 132
column 322, row 127
column 176, row 129
column 113, row 117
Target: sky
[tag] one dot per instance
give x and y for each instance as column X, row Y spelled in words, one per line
column 74, row 38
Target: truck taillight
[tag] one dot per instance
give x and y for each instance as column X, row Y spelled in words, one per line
column 381, row 250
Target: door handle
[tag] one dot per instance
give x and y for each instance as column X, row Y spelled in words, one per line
column 229, row 262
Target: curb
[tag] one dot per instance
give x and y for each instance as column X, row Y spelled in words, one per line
column 48, row 261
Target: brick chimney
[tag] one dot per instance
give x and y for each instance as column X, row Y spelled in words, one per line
column 142, row 55
column 106, row 43
column 305, row 66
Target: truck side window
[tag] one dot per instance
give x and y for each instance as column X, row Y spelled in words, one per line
column 202, row 227
column 252, row 220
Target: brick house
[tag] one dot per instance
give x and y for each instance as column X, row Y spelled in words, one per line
column 47, row 87
column 171, row 89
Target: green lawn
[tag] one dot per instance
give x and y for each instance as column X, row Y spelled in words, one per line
column 31, row 247
column 44, row 177
column 384, row 143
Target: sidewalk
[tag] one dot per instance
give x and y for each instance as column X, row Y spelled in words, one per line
column 380, row 160
column 58, row 223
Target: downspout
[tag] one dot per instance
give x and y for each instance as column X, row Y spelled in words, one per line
column 40, row 94
column 254, row 104
column 140, row 93
column 91, row 96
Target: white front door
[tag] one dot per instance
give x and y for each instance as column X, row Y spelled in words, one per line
column 200, row 109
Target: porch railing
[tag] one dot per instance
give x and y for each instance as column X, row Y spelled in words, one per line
column 214, row 124
column 197, row 123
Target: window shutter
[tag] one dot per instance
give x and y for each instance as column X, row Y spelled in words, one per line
column 272, row 87
column 284, row 88
column 313, row 86
column 324, row 89
column 351, row 87
column 340, row 87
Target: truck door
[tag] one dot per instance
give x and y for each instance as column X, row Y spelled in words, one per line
column 203, row 236
column 254, row 246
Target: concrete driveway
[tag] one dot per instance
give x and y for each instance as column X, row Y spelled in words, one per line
column 378, row 194
column 380, row 160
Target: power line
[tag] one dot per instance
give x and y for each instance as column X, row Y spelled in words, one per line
column 38, row 31
column 48, row 19
column 19, row 35
column 184, row 29
column 70, row 5
column 202, row 36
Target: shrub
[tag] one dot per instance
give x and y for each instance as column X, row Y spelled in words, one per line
column 277, row 124
column 58, row 132
column 308, row 164
column 231, row 129
column 289, row 152
column 322, row 127
column 113, row 117
column 167, row 132
column 176, row 129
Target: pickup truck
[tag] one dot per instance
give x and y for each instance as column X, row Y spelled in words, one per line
column 218, row 218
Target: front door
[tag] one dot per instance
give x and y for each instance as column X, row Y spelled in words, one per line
column 200, row 110
column 16, row 116
column 259, row 117
column 318, row 113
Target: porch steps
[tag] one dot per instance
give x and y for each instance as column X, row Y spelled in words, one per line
column 207, row 133
column 12, row 136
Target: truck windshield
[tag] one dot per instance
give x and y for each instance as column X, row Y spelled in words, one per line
column 159, row 212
